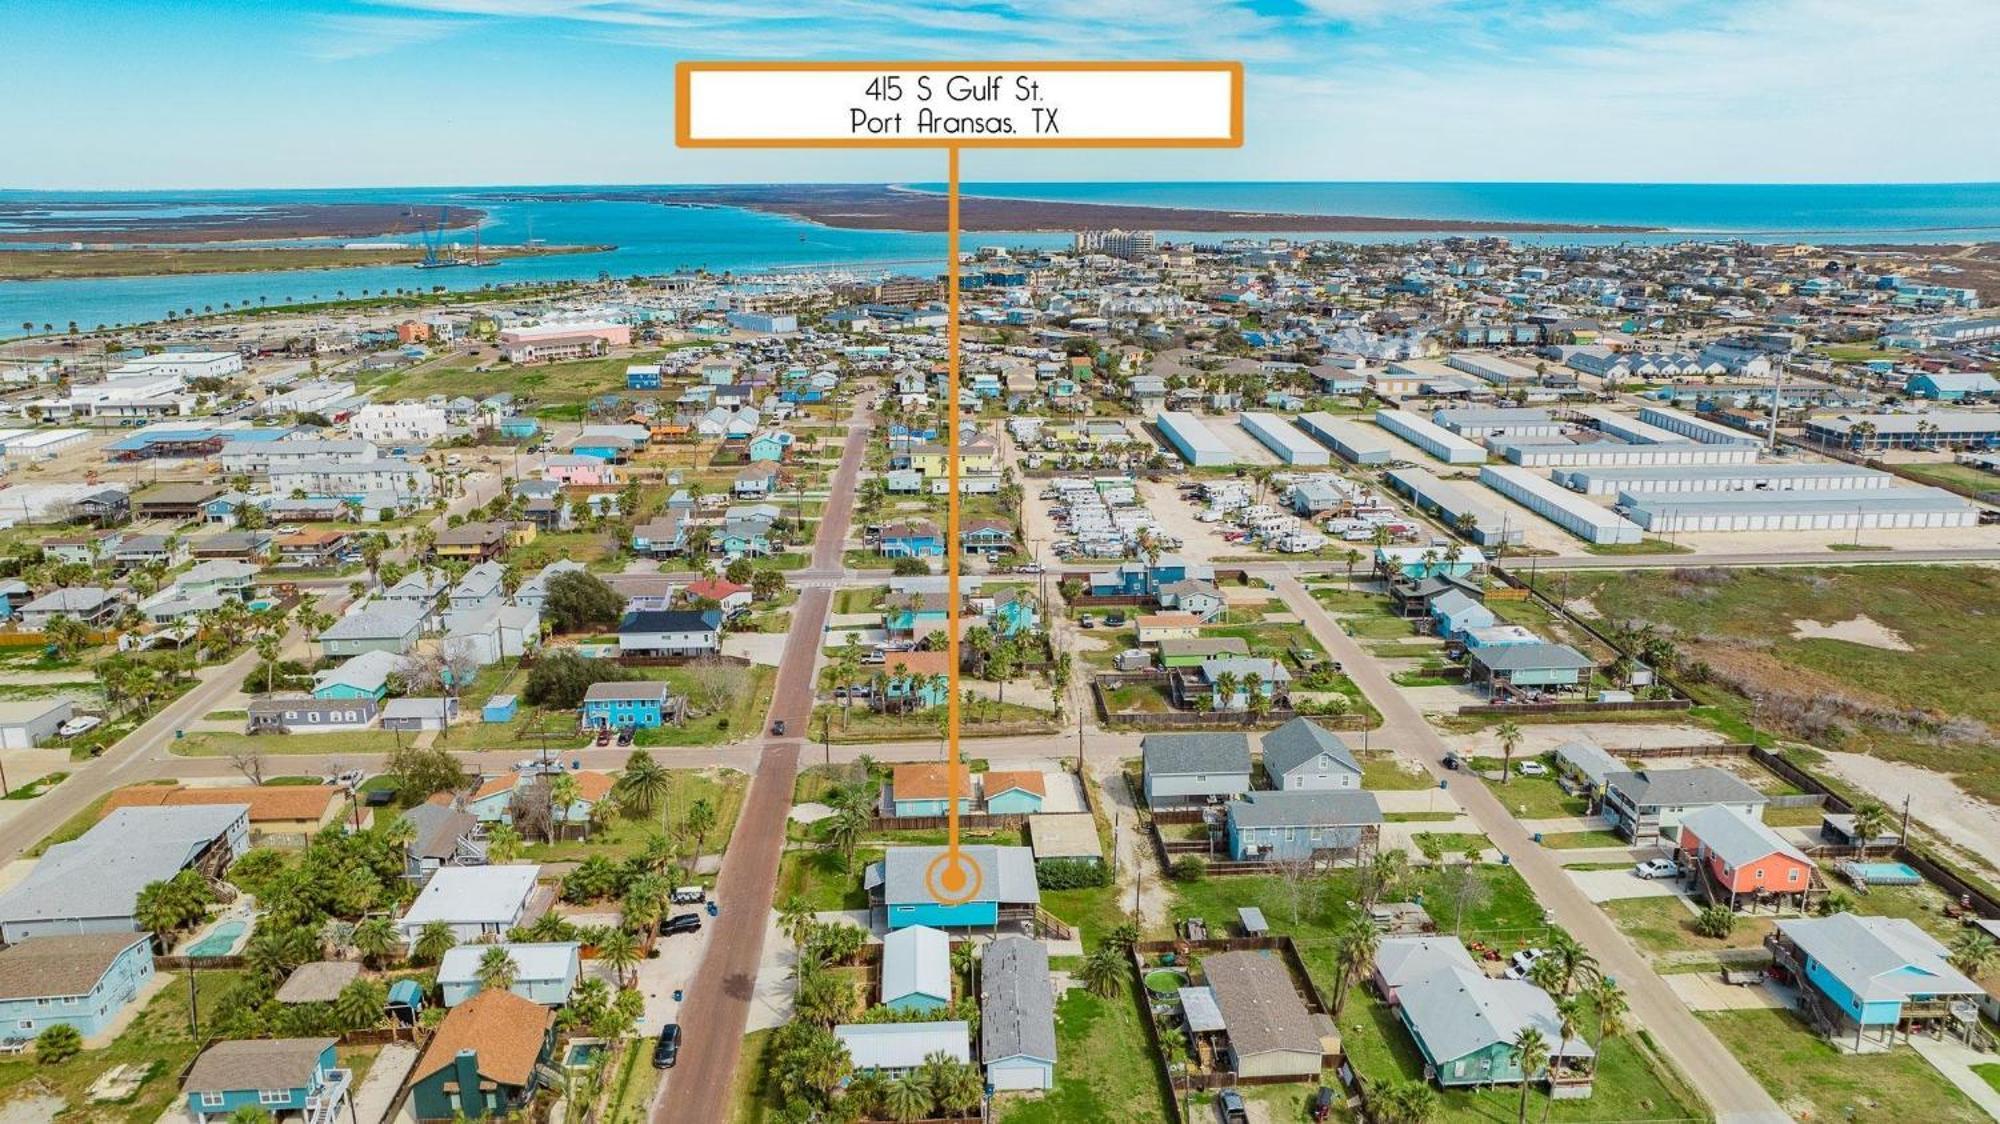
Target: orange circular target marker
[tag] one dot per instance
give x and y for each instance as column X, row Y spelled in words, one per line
column 954, row 877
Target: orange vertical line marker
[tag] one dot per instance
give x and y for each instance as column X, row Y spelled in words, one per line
column 953, row 876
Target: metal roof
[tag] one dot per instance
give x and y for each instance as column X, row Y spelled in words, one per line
column 1457, row 1010
column 1878, row 958
column 916, row 961
column 1703, row 784
column 100, row 873
column 903, row 1045
column 1007, row 874
column 1735, row 838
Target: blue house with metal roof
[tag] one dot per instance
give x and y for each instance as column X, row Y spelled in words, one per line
column 1006, row 889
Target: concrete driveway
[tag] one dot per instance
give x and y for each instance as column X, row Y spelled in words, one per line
column 1610, row 885
column 1705, row 991
column 674, row 967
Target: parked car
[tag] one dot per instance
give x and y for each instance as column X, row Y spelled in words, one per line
column 1450, row 761
column 625, row 735
column 1322, row 1103
column 681, row 923
column 1229, row 1104
column 689, row 895
column 1531, row 769
column 347, row 779
column 1522, row 961
column 667, row 1050
column 604, row 735
column 1657, row 868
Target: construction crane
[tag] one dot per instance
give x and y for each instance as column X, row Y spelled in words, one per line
column 434, row 242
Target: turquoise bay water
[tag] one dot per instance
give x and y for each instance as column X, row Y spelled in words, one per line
column 654, row 238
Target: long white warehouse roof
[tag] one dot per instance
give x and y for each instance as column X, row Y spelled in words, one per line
column 1430, row 437
column 1628, row 428
column 1609, row 480
column 1357, row 441
column 1278, row 436
column 1454, row 502
column 1687, row 425
column 1565, row 509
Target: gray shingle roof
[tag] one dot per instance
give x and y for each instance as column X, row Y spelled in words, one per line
column 1343, row 807
column 1016, row 1001
column 1300, row 741
column 1007, row 874
column 1173, row 754
column 1703, row 784
column 1459, row 1010
column 1260, row 1008
column 264, row 1063
column 58, row 967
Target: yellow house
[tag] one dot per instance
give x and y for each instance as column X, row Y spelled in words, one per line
column 978, row 455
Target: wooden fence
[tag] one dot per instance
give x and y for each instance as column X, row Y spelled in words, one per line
column 982, row 821
column 1576, row 707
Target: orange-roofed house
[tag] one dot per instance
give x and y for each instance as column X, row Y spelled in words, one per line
column 923, row 789
column 280, row 815
column 1015, row 790
column 916, row 680
column 493, row 800
column 484, row 1060
column 725, row 593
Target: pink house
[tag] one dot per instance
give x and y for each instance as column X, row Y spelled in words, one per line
column 547, row 342
column 568, row 469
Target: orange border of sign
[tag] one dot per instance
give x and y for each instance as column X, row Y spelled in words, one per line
column 684, row 74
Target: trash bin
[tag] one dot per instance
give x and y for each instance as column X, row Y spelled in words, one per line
column 714, row 909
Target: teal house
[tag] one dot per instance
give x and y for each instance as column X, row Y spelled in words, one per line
column 277, row 1075
column 916, row 969
column 1014, row 791
column 1006, row 891
column 922, row 788
column 1464, row 1022
column 769, row 447
column 1874, row 973
column 485, row 1059
column 79, row 981
column 365, row 676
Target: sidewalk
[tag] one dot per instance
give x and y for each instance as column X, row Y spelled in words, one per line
column 378, row 1090
column 1955, row 1060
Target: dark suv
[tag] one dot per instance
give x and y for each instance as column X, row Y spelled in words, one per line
column 681, row 923
column 667, row 1050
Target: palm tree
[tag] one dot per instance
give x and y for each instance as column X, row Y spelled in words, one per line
column 503, row 844
column 1103, row 971
column 1569, row 1012
column 906, row 1100
column 1575, row 963
column 1870, row 820
column 644, row 783
column 496, row 970
column 795, row 918
column 359, row 1005
column 843, row 830
column 958, row 1088
column 375, row 938
column 1973, row 953
column 1531, row 1054
column 563, row 795
column 1354, row 950
column 1509, row 734
column 700, row 821
column 618, row 951
column 1225, row 690
column 433, row 941
column 1608, row 1000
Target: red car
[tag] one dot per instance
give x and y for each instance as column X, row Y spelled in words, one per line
column 603, row 735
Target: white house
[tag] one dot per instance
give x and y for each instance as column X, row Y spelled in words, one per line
column 543, row 973
column 398, row 421
column 473, row 901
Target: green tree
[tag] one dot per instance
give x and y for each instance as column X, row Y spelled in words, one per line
column 360, row 1004
column 579, row 601
column 795, row 918
column 1510, row 735
column 1973, row 953
column 906, row 1100
column 503, row 844
column 426, row 771
column 1354, row 949
column 497, row 970
column 644, row 783
column 1715, row 922
column 375, row 938
column 559, row 679
column 617, row 951
column 1607, row 999
column 1103, row 971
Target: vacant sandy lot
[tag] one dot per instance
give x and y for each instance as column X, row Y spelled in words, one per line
column 1861, row 630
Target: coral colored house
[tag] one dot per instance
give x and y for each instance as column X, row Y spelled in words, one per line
column 1743, row 858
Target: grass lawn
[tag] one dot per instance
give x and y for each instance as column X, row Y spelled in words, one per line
column 1387, row 772
column 1448, row 844
column 158, row 1038
column 1989, row 1073
column 858, row 600
column 743, row 718
column 1957, row 475
column 1812, row 1080
column 1532, row 798
column 755, row 1099
column 1574, row 840
column 1741, row 623
column 815, row 873
column 1630, row 1085
column 544, row 383
column 1643, row 546
column 722, row 788
column 1419, row 817
column 1139, row 698
column 632, row 1101
column 1664, row 925
column 1092, row 911
column 1105, row 1071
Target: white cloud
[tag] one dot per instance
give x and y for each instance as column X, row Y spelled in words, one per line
column 338, row 38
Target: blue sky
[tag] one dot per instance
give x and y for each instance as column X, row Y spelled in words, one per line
column 229, row 93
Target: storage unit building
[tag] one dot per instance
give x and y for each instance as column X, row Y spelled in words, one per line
column 1189, row 436
column 1611, row 480
column 1625, row 427
column 1690, row 426
column 1531, row 453
column 1492, row 368
column 1479, row 421
column 1356, row 441
column 1452, row 502
column 1277, row 435
column 1862, row 509
column 1434, row 439
column 1567, row 510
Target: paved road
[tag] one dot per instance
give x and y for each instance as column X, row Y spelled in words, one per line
column 139, row 755
column 1731, row 1092
column 718, row 1006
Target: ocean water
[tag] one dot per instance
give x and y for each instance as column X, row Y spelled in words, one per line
column 653, row 238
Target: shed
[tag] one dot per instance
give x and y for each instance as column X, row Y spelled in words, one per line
column 406, row 1001
column 916, row 969
column 1199, row 1009
column 499, row 708
column 319, row 982
column 1252, row 920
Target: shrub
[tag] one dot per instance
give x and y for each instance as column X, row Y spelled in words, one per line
column 560, row 679
column 909, row 567
column 1071, row 874
column 1716, row 922
column 58, row 1044
column 1189, row 869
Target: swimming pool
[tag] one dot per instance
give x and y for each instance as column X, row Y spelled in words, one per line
column 219, row 940
column 1883, row 874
